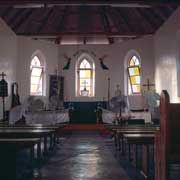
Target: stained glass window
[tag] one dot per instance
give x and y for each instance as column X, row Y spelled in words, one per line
column 85, row 78
column 134, row 75
column 36, row 68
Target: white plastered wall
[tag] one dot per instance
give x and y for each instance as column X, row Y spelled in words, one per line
column 115, row 61
column 167, row 57
column 8, row 59
column 26, row 48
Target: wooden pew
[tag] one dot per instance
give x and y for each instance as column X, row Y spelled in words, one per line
column 136, row 135
column 28, row 133
column 9, row 147
column 144, row 140
column 167, row 141
column 53, row 136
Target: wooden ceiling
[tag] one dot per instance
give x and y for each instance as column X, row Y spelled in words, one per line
column 114, row 20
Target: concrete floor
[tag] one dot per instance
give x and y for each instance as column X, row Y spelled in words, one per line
column 82, row 156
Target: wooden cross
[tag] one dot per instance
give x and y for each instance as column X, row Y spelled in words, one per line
column 2, row 75
column 148, row 85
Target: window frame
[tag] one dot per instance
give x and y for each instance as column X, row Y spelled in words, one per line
column 41, row 77
column 129, row 76
column 92, row 77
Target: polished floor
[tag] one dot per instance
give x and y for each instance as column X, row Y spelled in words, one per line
column 84, row 156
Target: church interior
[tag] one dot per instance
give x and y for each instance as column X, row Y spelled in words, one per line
column 89, row 90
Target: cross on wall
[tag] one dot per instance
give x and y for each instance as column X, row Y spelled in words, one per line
column 2, row 75
column 149, row 85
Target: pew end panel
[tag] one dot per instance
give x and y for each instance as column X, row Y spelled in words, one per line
column 167, row 143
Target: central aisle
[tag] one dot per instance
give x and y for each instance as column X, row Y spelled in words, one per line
column 83, row 156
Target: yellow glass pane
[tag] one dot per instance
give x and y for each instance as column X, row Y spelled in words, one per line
column 131, row 63
column 136, row 71
column 133, row 80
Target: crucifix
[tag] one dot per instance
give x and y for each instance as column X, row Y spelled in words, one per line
column 84, row 83
column 84, row 92
column 148, row 85
column 3, row 92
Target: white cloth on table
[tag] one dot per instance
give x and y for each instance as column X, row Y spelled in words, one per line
column 46, row 117
column 109, row 116
column 16, row 114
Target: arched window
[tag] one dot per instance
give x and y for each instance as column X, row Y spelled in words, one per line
column 85, row 78
column 134, row 84
column 36, row 81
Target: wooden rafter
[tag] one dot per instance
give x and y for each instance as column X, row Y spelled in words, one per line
column 105, row 20
column 148, row 19
column 125, row 19
column 144, row 19
column 17, row 14
column 18, row 24
column 45, row 20
column 5, row 12
column 115, row 20
column 159, row 12
column 156, row 16
column 87, row 34
column 164, row 11
column 106, row 23
column 61, row 23
column 89, row 2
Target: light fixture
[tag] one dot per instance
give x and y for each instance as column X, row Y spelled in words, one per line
column 19, row 6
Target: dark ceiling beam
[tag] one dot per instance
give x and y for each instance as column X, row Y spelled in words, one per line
column 164, row 11
column 156, row 16
column 44, row 21
column 61, row 23
column 85, row 23
column 24, row 18
column 106, row 23
column 88, row 34
column 15, row 16
column 148, row 19
column 5, row 11
column 125, row 19
column 145, row 19
column 159, row 12
column 89, row 2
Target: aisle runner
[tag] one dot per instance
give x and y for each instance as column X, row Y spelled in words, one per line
column 87, row 127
